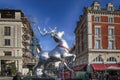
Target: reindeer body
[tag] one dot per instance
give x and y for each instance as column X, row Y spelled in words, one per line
column 57, row 54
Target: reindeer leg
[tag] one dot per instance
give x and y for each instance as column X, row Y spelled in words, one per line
column 45, row 68
column 41, row 62
column 70, row 55
column 69, row 69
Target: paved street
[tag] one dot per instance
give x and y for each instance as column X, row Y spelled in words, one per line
column 6, row 78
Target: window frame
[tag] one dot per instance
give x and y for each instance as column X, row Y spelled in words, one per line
column 110, row 31
column 7, row 42
column 97, row 44
column 110, row 19
column 97, row 60
column 111, row 60
column 7, row 31
column 111, row 45
column 7, row 53
column 97, row 19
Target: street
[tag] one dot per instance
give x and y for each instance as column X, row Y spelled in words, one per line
column 6, row 78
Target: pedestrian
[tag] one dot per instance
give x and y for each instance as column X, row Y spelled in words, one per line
column 90, row 76
column 17, row 76
column 99, row 76
column 107, row 76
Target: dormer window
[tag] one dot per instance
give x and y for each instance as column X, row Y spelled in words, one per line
column 96, row 7
column 110, row 7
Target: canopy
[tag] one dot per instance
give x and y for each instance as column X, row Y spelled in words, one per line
column 112, row 68
column 100, row 67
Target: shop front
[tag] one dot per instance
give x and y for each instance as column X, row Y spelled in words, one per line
column 112, row 69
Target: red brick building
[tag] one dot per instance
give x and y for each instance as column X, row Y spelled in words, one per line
column 98, row 37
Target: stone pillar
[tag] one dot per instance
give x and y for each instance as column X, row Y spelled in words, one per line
column 16, row 62
column 0, row 66
column 20, row 65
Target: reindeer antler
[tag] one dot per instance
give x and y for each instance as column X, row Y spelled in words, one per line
column 45, row 32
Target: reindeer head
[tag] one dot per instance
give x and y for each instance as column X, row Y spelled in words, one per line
column 51, row 32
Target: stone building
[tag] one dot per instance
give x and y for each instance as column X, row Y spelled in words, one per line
column 98, row 37
column 15, row 33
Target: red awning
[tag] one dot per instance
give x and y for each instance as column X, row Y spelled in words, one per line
column 104, row 66
column 98, row 66
column 79, row 67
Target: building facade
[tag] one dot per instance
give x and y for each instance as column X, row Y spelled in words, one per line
column 15, row 34
column 98, row 36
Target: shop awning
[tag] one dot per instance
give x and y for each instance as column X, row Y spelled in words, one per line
column 113, row 67
column 98, row 66
column 105, row 66
column 80, row 67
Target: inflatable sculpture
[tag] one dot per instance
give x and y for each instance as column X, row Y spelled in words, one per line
column 59, row 53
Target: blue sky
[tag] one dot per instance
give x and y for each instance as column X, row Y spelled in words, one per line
column 62, row 14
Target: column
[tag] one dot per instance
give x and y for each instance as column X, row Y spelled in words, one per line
column 16, row 64
column 20, row 65
column 0, row 65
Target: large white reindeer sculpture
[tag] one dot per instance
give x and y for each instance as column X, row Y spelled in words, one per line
column 60, row 52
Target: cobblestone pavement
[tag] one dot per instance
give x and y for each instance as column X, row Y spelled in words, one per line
column 6, row 78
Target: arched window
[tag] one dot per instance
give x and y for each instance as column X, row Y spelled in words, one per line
column 98, row 60
column 111, row 60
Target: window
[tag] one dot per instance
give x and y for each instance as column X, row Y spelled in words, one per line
column 97, row 19
column 7, row 42
column 110, row 8
column 7, row 31
column 98, row 60
column 96, row 7
column 97, row 31
column 110, row 20
column 111, row 44
column 8, row 14
column 111, row 60
column 97, row 44
column 7, row 53
column 111, row 31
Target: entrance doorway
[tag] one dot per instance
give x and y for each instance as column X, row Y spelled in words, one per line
column 8, row 67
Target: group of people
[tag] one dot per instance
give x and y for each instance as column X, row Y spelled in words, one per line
column 103, row 76
column 18, row 76
column 106, row 75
